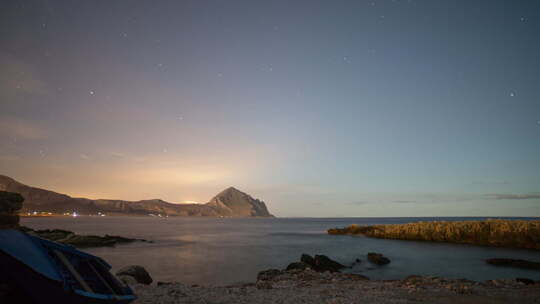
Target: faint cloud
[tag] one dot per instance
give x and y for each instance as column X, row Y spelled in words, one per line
column 404, row 202
column 119, row 155
column 18, row 128
column 515, row 196
column 84, row 156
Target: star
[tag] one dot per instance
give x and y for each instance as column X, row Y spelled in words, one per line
column 523, row 19
column 92, row 92
column 512, row 94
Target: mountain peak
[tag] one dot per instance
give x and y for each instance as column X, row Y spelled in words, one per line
column 230, row 190
column 235, row 202
column 229, row 202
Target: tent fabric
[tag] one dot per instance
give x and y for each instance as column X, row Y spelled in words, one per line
column 23, row 248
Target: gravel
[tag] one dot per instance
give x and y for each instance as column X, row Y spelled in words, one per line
column 307, row 286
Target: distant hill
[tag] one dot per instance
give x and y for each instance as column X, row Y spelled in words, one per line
column 230, row 202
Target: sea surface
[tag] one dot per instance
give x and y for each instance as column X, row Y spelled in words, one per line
column 221, row 251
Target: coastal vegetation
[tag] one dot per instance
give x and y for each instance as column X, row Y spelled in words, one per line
column 495, row 232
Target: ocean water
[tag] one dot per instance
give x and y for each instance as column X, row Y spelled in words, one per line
column 220, row 251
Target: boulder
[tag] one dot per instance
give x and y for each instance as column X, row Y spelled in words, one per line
column 307, row 259
column 377, row 258
column 269, row 274
column 137, row 272
column 298, row 265
column 525, row 281
column 128, row 280
column 324, row 263
column 356, row 262
column 514, row 263
column 321, row 263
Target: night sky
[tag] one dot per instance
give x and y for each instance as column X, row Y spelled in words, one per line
column 320, row 108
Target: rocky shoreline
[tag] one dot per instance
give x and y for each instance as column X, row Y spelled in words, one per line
column 80, row 241
column 309, row 286
column 318, row 279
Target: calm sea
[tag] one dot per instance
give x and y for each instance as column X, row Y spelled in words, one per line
column 222, row 251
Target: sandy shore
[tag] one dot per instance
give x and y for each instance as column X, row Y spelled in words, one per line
column 307, row 286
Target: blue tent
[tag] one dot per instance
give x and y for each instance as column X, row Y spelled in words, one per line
column 48, row 272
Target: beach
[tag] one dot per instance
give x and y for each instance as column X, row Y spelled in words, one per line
column 311, row 287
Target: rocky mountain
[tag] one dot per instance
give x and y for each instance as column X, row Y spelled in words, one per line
column 230, row 202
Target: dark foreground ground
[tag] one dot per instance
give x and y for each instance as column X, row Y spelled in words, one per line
column 307, row 286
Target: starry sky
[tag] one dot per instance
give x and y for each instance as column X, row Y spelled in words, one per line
column 319, row 108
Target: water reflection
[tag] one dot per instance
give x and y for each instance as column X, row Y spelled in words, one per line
column 224, row 251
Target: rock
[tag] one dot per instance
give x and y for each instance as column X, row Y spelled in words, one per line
column 263, row 285
column 309, row 260
column 128, row 280
column 269, row 274
column 137, row 272
column 355, row 277
column 321, row 263
column 80, row 241
column 297, row 265
column 356, row 262
column 514, row 263
column 324, row 263
column 413, row 279
column 53, row 234
column 95, row 241
column 377, row 258
column 525, row 281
